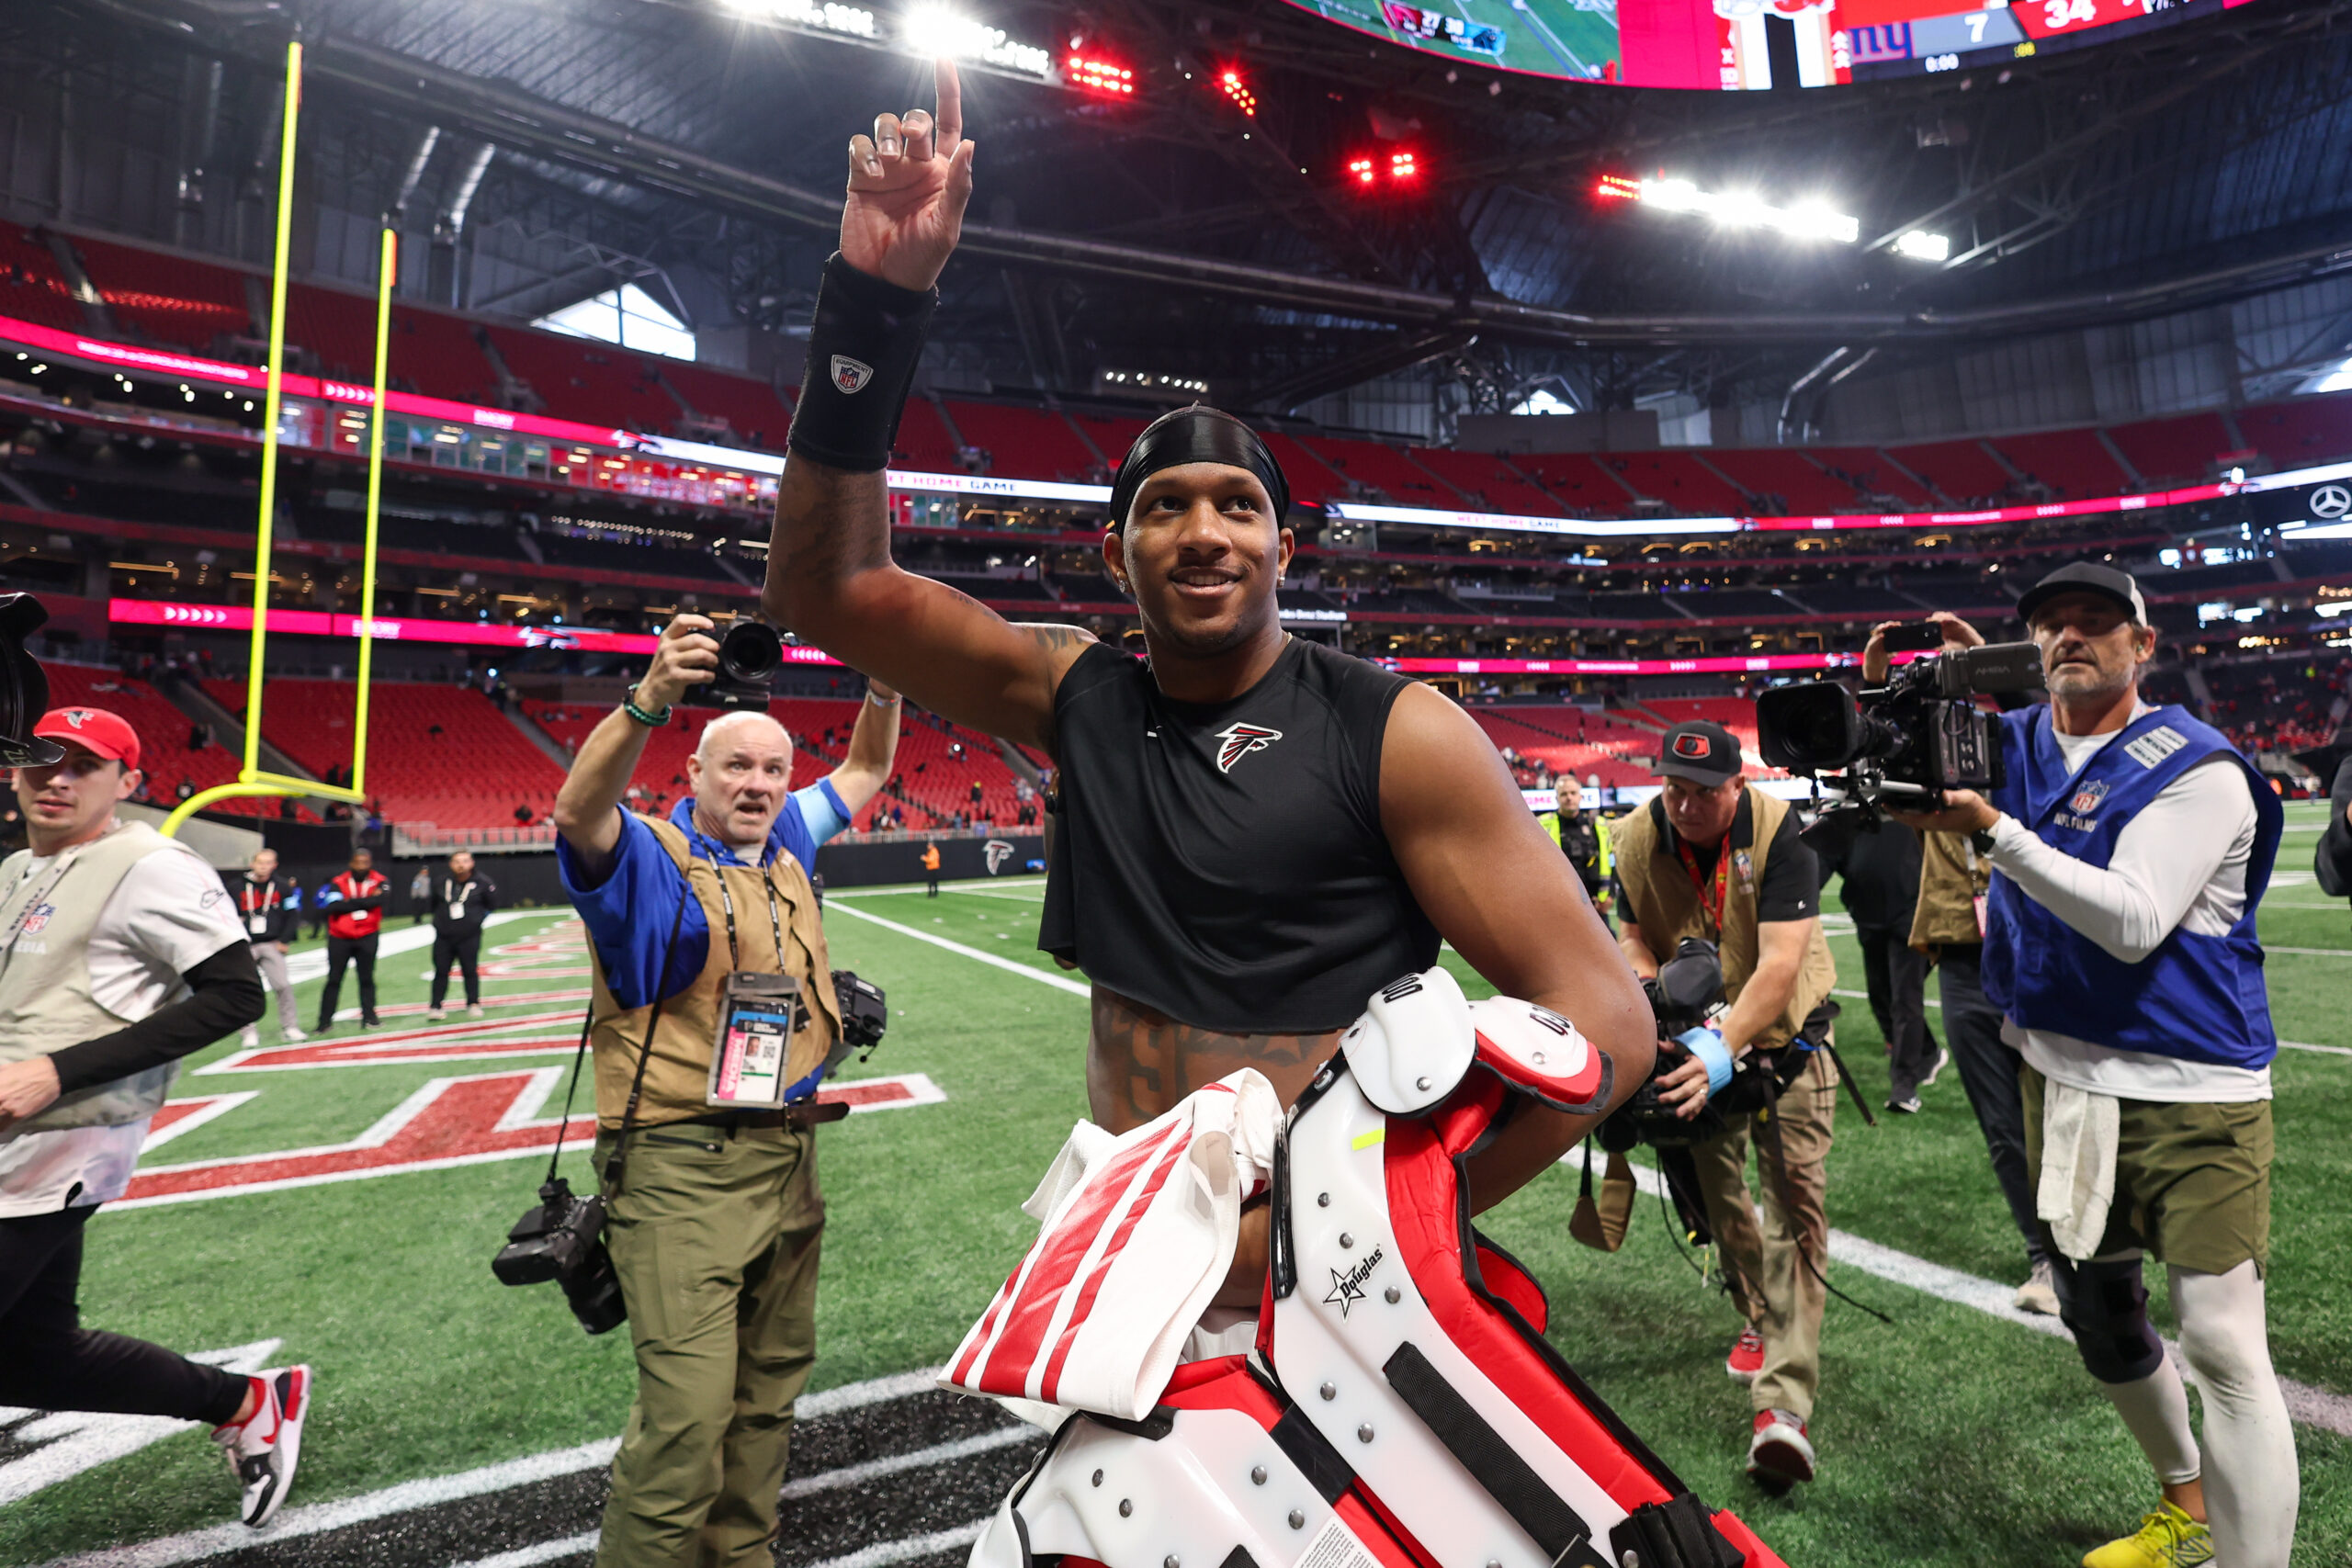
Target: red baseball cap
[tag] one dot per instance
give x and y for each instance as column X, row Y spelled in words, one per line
column 94, row 730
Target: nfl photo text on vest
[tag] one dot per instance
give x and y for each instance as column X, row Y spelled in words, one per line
column 1667, row 907
column 1402, row 1409
column 46, row 1002
column 2197, row 998
column 678, row 1078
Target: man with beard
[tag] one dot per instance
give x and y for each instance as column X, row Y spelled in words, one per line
column 1253, row 833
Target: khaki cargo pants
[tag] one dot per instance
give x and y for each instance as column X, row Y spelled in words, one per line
column 715, row 1237
column 1770, row 1283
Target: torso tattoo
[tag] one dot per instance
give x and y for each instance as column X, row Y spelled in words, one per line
column 1139, row 1063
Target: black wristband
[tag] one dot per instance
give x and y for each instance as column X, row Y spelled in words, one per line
column 863, row 347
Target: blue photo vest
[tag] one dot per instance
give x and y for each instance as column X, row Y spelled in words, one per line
column 2196, row 998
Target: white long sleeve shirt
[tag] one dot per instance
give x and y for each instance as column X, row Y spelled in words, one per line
column 2181, row 862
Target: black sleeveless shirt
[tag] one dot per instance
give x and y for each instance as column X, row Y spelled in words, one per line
column 1223, row 863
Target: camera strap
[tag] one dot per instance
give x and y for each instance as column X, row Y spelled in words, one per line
column 613, row 1172
column 563, row 1123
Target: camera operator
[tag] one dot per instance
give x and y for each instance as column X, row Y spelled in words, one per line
column 1713, row 857
column 715, row 1226
column 2131, row 847
column 268, row 903
column 462, row 898
column 1948, row 927
column 121, row 953
column 354, row 900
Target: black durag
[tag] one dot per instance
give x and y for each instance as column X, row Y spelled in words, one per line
column 1196, row 434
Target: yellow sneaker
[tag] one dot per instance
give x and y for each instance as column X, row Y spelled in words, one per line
column 2167, row 1538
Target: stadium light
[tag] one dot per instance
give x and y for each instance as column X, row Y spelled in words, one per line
column 1920, row 245
column 1808, row 221
column 1230, row 82
column 936, row 30
column 1364, row 169
column 1104, row 77
column 851, row 22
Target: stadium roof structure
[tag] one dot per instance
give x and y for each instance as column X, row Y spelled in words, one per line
column 694, row 147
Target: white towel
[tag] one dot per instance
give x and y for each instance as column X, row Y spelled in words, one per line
column 2079, row 1138
column 1139, row 1231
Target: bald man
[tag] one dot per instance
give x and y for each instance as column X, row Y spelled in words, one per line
column 713, row 1212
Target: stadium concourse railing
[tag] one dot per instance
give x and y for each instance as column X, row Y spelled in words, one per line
column 412, row 840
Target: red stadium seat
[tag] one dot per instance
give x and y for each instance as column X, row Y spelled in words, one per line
column 924, row 446
column 1022, row 443
column 1802, row 485
column 177, row 298
column 1112, row 437
column 1385, row 471
column 1867, row 469
column 2072, row 463
column 1582, row 485
column 164, row 732
column 1963, row 470
column 2299, row 433
column 592, row 382
column 751, row 409
column 2171, row 454
column 1490, row 482
column 1312, row 480
column 31, row 287
column 1679, row 479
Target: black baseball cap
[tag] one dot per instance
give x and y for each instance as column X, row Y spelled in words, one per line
column 1702, row 752
column 2112, row 583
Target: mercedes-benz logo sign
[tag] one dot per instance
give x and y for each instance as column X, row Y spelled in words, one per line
column 2331, row 501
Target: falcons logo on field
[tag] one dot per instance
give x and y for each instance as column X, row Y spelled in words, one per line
column 1240, row 739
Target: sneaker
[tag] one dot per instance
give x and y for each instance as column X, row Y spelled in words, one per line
column 369, row 1020
column 1779, row 1456
column 2167, row 1538
column 1747, row 1357
column 434, row 1015
column 473, row 1010
column 262, row 1449
column 1943, row 1060
column 249, row 1038
column 1906, row 1106
column 291, row 1035
column 2037, row 1294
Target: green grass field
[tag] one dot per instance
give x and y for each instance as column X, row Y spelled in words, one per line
column 1549, row 38
column 1948, row 1436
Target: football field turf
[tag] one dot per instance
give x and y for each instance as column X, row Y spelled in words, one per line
column 343, row 1204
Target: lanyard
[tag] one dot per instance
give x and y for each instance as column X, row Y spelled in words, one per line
column 727, row 902
column 269, row 891
column 1711, row 890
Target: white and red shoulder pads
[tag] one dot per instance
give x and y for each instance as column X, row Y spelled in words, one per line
column 1414, row 1043
column 1537, row 1051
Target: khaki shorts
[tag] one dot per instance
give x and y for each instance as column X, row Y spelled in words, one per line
column 2192, row 1180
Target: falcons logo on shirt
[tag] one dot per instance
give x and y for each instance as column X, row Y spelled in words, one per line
column 1240, row 739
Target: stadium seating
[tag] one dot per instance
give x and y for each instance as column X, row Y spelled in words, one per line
column 177, row 298
column 441, row 755
column 1582, row 485
column 2301, row 432
column 1868, row 471
column 1963, row 471
column 164, row 732
column 31, row 287
column 594, row 383
column 2171, row 454
column 1798, row 484
column 2072, row 463
column 1112, row 437
column 1389, row 474
column 1022, row 443
column 1312, row 480
column 1679, row 479
column 1565, row 740
column 1851, row 599
column 924, row 446
column 1490, row 483
column 753, row 411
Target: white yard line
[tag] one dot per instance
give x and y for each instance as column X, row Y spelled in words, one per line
column 1059, row 983
column 317, row 1519
column 312, row 965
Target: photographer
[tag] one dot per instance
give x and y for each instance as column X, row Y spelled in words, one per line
column 269, row 903
column 2131, row 847
column 1947, row 927
column 119, row 954
column 715, row 1215
column 1715, row 858
column 461, row 898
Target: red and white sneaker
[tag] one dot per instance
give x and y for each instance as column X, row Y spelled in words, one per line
column 263, row 1447
column 1747, row 1357
column 1779, row 1456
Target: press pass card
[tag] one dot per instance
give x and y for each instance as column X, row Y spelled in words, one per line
column 757, row 1016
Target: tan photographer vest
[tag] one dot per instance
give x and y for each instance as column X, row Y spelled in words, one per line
column 1952, row 876
column 1667, row 907
column 678, row 1078
column 46, row 1002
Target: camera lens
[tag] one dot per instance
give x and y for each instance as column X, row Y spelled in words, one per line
column 23, row 689
column 750, row 653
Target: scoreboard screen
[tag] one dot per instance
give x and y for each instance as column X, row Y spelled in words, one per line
column 1736, row 44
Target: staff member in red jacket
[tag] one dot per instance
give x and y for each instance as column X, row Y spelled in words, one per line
column 354, row 903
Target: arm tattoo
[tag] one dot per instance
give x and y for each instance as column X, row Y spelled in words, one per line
column 1140, row 1063
column 1053, row 638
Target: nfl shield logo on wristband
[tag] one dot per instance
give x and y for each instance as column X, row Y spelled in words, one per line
column 850, row 375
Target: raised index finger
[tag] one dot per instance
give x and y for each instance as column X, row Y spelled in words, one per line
column 950, row 118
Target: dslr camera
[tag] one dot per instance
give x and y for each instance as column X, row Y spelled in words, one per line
column 562, row 1238
column 750, row 653
column 866, row 1012
column 1919, row 734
